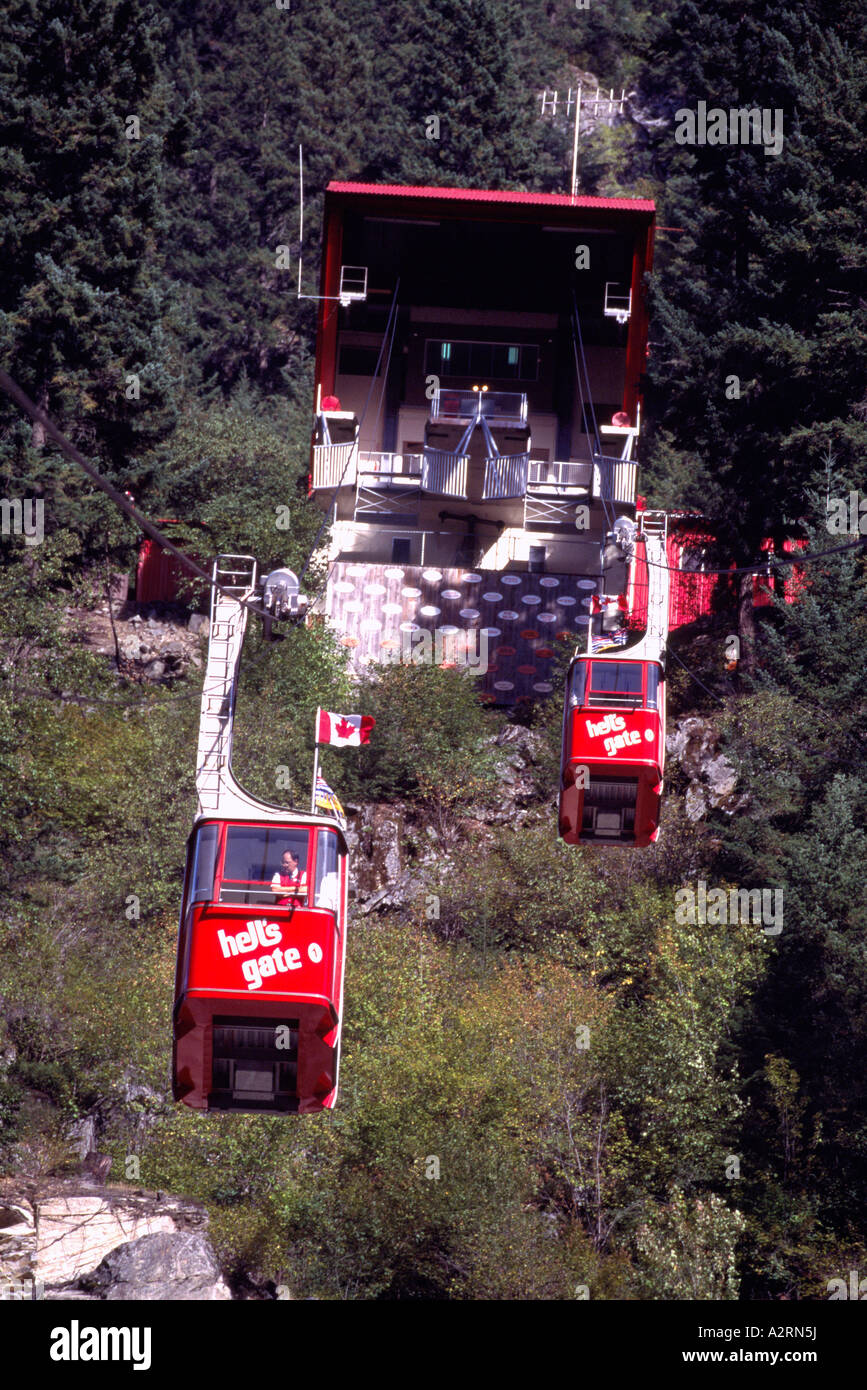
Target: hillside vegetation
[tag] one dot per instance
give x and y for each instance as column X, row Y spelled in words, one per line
column 551, row 1086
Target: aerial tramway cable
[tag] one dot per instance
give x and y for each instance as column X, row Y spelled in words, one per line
column 583, row 377
column 21, row 399
column 763, row 566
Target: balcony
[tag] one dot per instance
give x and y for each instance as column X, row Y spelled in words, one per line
column 334, row 465
column 389, row 488
column 497, row 407
column 505, row 477
column 557, row 478
column 614, row 480
column 444, row 474
column 389, row 470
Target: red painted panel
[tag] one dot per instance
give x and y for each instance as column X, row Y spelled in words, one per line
column 329, row 284
column 691, row 592
column 488, row 195
column 159, row 576
column 262, row 953
column 609, row 740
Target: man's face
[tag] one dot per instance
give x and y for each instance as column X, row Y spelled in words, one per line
column 289, row 863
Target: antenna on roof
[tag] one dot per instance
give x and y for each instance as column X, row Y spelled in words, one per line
column 593, row 105
column 300, row 213
column 353, row 278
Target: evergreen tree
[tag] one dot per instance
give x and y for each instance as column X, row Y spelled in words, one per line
column 758, row 360
column 84, row 320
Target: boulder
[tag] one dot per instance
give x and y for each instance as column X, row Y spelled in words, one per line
column 172, row 653
column 76, row 1232
column 713, row 778
column 17, row 1248
column 57, row 1233
column 179, row 1266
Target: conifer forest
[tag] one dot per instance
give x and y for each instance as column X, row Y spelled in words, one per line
column 556, row 1082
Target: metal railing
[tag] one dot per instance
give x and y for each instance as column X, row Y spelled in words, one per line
column 562, row 475
column 506, row 406
column 381, row 468
column 505, row 477
column 334, row 464
column 614, row 480
column 444, row 474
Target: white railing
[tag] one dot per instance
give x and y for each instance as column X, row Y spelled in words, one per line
column 556, row 474
column 505, row 477
column 334, row 464
column 444, row 474
column 614, row 480
column 547, row 510
column 507, row 406
column 384, row 467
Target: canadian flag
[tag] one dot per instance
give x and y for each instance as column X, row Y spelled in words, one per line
column 343, row 730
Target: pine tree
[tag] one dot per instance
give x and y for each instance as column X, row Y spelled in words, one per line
column 84, row 321
column 760, row 317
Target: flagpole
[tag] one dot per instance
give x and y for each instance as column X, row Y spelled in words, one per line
column 315, row 768
column 315, row 776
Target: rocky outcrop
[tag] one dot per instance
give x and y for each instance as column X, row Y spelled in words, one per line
column 393, row 844
column 520, row 784
column 62, row 1240
column 386, row 852
column 179, row 1266
column 154, row 643
column 694, row 744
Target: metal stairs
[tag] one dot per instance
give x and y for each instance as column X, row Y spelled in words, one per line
column 218, row 792
column 654, row 528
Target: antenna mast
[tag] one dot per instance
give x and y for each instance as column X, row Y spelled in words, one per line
column 300, row 213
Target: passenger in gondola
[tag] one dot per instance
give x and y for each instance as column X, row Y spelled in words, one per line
column 292, row 877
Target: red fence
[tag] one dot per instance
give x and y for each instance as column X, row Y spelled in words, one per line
column 692, row 590
column 160, row 578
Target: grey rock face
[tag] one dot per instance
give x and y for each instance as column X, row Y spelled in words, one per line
column 55, row 1236
column 82, row 1136
column 694, row 743
column 177, row 1266
column 17, row 1248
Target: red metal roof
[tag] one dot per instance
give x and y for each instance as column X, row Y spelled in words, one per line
column 489, row 195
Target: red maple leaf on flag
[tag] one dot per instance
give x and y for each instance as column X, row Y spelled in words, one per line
column 344, row 729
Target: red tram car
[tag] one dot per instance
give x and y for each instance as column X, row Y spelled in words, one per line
column 613, row 750
column 261, row 951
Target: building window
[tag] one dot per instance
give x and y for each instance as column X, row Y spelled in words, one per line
column 400, row 550
column 483, row 361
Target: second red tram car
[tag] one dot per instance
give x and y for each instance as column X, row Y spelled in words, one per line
column 613, row 750
column 261, row 952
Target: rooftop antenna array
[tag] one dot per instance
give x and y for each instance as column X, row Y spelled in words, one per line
column 592, row 105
